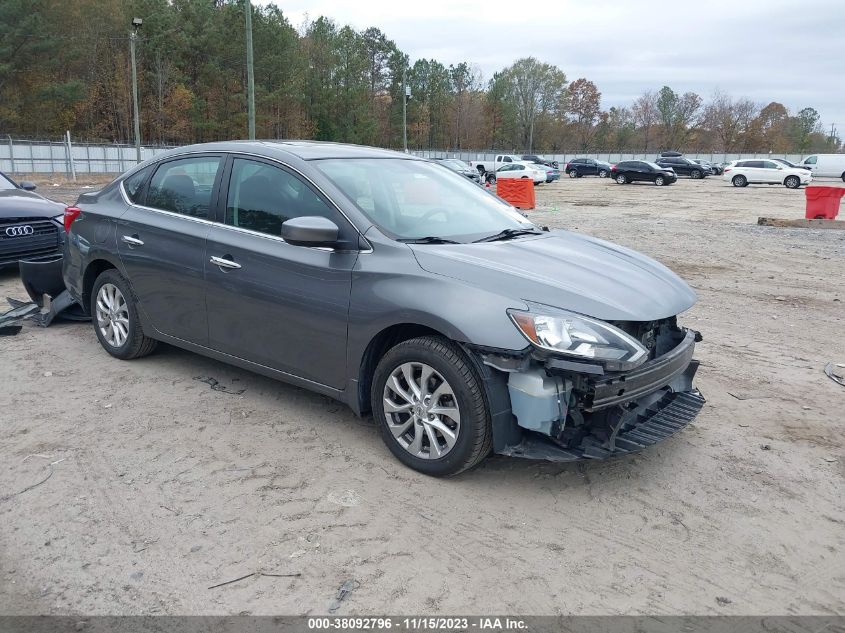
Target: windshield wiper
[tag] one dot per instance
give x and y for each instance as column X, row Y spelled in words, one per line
column 429, row 239
column 508, row 234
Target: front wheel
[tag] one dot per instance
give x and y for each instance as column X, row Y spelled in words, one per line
column 621, row 179
column 792, row 182
column 573, row 174
column 659, row 181
column 602, row 173
column 116, row 320
column 428, row 401
column 739, row 181
column 695, row 174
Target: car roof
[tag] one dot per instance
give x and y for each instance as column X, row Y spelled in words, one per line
column 304, row 150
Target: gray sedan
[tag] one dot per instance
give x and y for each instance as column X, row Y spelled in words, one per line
column 394, row 286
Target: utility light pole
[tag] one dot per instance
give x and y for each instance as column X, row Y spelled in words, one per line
column 250, row 75
column 406, row 94
column 133, row 35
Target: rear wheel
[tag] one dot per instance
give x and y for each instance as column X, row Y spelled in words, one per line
column 739, row 181
column 428, row 401
column 792, row 182
column 115, row 317
column 659, row 181
column 621, row 179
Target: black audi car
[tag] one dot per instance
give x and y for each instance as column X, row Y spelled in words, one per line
column 642, row 171
column 30, row 224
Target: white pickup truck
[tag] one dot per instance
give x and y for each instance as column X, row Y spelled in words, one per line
column 490, row 166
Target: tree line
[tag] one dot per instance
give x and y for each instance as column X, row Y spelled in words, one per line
column 64, row 65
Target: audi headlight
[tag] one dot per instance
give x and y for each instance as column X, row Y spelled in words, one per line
column 581, row 337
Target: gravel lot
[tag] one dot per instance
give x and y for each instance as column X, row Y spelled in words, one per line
column 162, row 487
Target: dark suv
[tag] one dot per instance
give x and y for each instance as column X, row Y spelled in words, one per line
column 628, row 171
column 578, row 167
column 683, row 166
column 393, row 285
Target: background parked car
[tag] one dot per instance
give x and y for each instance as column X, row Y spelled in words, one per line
column 552, row 173
column 714, row 169
column 642, row 171
column 578, row 167
column 682, row 166
column 490, row 166
column 29, row 223
column 744, row 172
column 533, row 158
column 827, row 165
column 459, row 166
column 519, row 170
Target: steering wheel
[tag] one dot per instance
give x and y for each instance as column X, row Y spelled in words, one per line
column 433, row 212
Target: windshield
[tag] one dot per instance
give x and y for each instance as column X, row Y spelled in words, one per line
column 5, row 183
column 655, row 166
column 411, row 199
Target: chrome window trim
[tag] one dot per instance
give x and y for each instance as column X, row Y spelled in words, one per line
column 250, row 231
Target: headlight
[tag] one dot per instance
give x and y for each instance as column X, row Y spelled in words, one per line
column 581, row 337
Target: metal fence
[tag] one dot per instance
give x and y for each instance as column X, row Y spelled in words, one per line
column 28, row 156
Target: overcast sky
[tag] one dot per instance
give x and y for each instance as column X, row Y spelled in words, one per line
column 768, row 50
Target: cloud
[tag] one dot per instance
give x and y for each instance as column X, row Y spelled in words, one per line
column 767, row 50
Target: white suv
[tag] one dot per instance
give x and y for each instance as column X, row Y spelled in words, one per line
column 768, row 172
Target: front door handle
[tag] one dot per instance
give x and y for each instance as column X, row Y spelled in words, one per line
column 132, row 241
column 224, row 263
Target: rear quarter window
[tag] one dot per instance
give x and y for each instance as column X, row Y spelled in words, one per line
column 134, row 185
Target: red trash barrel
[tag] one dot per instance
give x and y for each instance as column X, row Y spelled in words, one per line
column 823, row 202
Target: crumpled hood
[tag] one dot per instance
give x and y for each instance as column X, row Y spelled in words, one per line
column 17, row 203
column 565, row 270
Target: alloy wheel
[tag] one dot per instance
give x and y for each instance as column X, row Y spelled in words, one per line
column 421, row 410
column 112, row 315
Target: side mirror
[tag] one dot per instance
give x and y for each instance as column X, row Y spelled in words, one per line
column 27, row 186
column 310, row 230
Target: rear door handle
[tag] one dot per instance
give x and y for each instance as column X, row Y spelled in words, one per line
column 224, row 263
column 132, row 241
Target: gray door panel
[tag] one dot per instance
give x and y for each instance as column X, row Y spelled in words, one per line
column 285, row 307
column 166, row 269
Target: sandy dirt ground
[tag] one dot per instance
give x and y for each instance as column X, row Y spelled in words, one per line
column 162, row 487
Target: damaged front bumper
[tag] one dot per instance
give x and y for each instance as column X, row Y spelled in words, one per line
column 563, row 411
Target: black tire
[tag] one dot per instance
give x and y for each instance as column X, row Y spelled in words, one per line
column 739, row 181
column 659, row 181
column 792, row 182
column 621, row 179
column 572, row 173
column 603, row 173
column 843, row 176
column 475, row 436
column 137, row 344
column 695, row 174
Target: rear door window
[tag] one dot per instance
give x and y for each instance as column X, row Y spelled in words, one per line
column 184, row 186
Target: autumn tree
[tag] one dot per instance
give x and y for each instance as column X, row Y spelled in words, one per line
column 583, row 103
column 534, row 88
